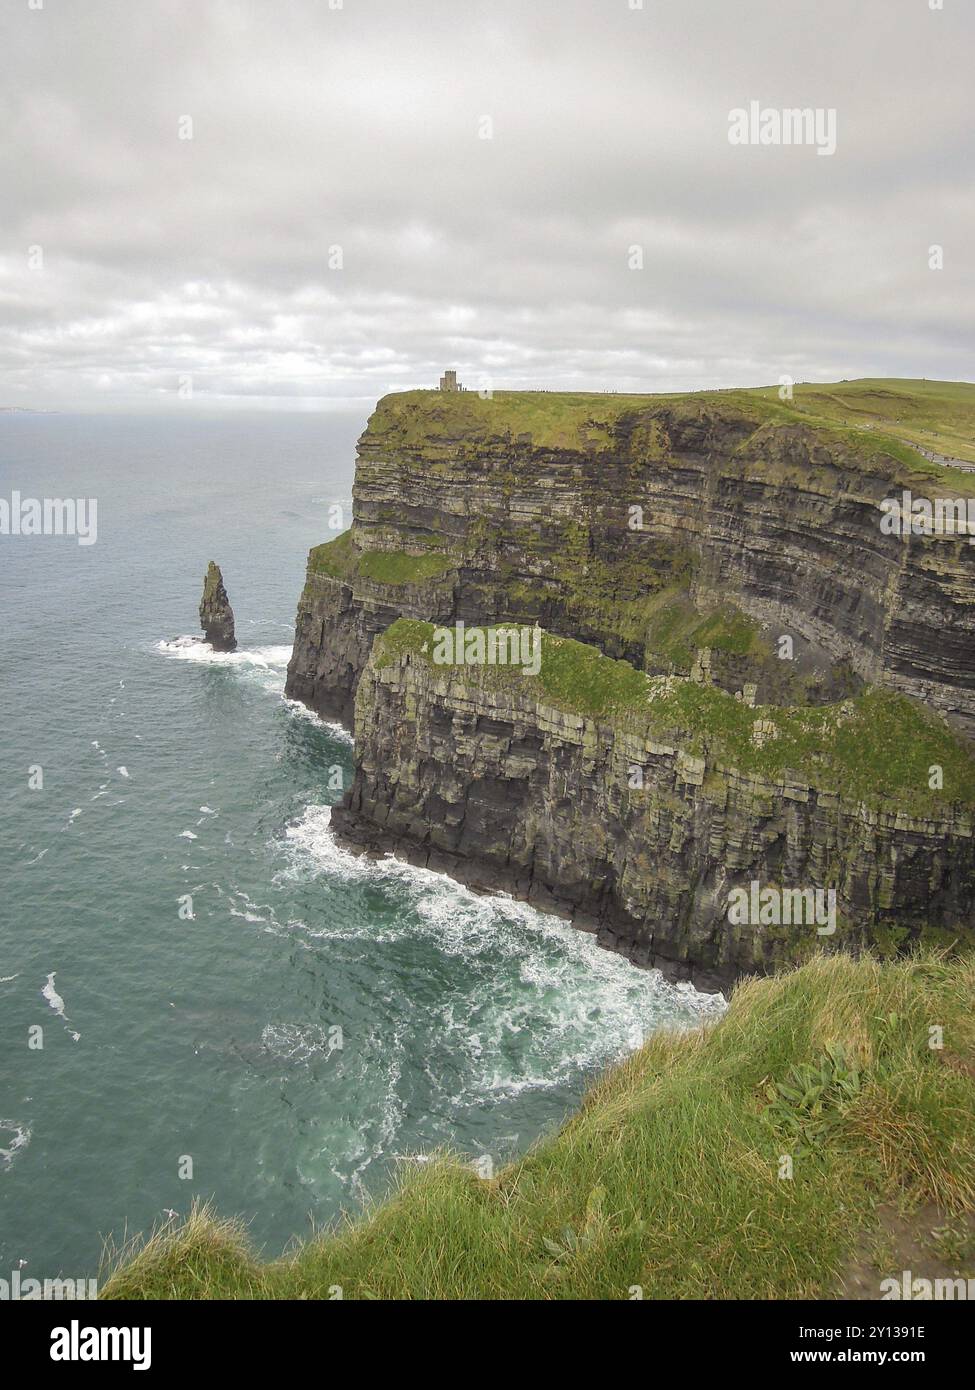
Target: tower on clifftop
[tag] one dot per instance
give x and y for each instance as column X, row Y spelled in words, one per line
column 448, row 382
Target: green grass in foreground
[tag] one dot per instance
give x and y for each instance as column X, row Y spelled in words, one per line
column 877, row 746
column 667, row 1178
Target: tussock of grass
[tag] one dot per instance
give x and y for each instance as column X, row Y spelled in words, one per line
column 188, row 1261
column 667, row 1177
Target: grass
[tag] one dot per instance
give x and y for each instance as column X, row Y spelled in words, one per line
column 936, row 415
column 342, row 559
column 878, row 746
column 398, row 567
column 667, row 1179
column 675, row 630
column 575, row 676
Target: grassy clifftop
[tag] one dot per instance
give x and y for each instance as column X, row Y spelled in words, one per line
column 669, row 1181
column 879, row 421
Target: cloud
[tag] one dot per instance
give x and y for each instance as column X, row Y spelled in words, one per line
column 336, row 226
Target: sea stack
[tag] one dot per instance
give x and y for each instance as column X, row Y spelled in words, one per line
column 216, row 614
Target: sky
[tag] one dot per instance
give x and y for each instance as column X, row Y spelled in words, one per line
column 304, row 204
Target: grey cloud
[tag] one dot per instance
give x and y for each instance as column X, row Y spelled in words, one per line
column 358, row 127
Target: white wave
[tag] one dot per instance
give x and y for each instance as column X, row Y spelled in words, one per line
column 209, row 811
column 21, row 1138
column 241, row 905
column 295, row 1042
column 246, row 915
column 268, row 663
column 338, row 731
column 57, row 1004
column 312, row 834
column 73, row 817
column 122, row 771
column 199, row 650
column 529, row 975
column 5, row 979
column 265, row 665
column 188, row 835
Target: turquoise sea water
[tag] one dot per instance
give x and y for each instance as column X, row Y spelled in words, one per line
column 169, row 770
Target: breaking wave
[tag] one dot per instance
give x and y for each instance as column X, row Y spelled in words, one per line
column 531, row 1002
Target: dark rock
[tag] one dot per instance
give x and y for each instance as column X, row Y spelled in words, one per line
column 216, row 614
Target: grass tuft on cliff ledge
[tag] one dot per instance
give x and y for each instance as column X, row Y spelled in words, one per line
column 667, row 1180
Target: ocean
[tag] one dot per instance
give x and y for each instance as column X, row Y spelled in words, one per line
column 201, row 994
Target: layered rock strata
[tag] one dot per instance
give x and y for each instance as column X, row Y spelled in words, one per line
column 641, row 833
column 605, row 536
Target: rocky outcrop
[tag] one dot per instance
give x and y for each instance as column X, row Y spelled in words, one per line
column 603, row 529
column 216, row 614
column 640, row 832
column 335, row 628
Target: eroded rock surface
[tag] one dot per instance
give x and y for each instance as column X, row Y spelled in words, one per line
column 216, row 614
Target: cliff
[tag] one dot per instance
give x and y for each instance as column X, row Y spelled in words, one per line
column 666, row 1183
column 637, row 805
column 651, row 528
column 784, row 661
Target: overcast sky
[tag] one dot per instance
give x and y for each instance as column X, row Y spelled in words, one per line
column 133, row 260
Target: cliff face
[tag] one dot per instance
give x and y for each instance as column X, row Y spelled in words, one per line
column 628, row 531
column 485, row 779
column 711, row 544
column 335, row 628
